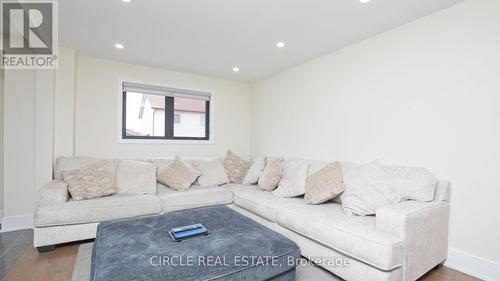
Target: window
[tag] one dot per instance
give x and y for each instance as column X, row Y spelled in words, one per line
column 152, row 112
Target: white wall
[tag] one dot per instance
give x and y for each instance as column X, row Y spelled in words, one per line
column 64, row 104
column 27, row 142
column 98, row 99
column 19, row 144
column 425, row 94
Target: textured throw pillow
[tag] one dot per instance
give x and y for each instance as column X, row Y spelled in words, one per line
column 325, row 184
column 366, row 189
column 179, row 175
column 92, row 181
column 272, row 174
column 412, row 183
column 255, row 171
column 236, row 167
column 293, row 182
column 212, row 172
column 162, row 163
column 136, row 177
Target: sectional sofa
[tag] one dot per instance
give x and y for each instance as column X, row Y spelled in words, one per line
column 401, row 242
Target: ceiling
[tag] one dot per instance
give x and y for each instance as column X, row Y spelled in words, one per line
column 210, row 37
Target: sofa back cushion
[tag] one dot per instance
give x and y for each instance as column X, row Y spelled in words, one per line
column 68, row 163
column 412, row 183
column 136, row 177
column 255, row 171
column 212, row 172
column 366, row 189
column 64, row 163
column 293, row 182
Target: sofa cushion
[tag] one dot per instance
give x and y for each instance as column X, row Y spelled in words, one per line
column 260, row 202
column 194, row 197
column 255, row 171
column 68, row 163
column 64, row 163
column 353, row 236
column 97, row 210
column 293, row 182
column 366, row 189
column 412, row 183
column 136, row 177
column 212, row 172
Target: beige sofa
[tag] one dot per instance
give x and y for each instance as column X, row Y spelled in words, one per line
column 402, row 242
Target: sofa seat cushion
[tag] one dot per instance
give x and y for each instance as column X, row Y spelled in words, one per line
column 353, row 236
column 194, row 197
column 97, row 210
column 261, row 202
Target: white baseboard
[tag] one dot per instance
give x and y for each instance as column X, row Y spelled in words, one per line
column 12, row 223
column 473, row 265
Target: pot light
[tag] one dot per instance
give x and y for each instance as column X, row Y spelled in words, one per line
column 119, row 46
column 280, row 44
column 364, row 1
column 127, row 1
column 236, row 69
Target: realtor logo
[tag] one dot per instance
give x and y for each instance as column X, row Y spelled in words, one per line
column 29, row 38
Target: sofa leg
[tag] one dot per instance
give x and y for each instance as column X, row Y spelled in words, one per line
column 45, row 249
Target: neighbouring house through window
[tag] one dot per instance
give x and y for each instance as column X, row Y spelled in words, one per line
column 153, row 112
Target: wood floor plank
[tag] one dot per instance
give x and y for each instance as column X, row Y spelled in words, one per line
column 52, row 266
column 58, row 266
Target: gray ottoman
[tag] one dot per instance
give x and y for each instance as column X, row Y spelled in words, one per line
column 237, row 248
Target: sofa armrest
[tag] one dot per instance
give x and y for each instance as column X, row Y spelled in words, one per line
column 53, row 193
column 423, row 228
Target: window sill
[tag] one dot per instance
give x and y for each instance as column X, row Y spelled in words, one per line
column 153, row 141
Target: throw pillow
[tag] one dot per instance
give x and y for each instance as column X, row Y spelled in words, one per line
column 162, row 163
column 236, row 167
column 136, row 177
column 293, row 182
column 179, row 175
column 324, row 185
column 412, row 183
column 212, row 172
column 366, row 189
column 272, row 174
column 92, row 181
column 255, row 171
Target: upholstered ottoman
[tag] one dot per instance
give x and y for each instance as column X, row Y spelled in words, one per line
column 237, row 248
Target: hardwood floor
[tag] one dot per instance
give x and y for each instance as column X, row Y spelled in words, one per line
column 58, row 266
column 52, row 266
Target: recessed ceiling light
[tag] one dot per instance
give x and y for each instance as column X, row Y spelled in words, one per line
column 236, row 69
column 280, row 44
column 119, row 46
column 126, row 1
column 364, row 1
